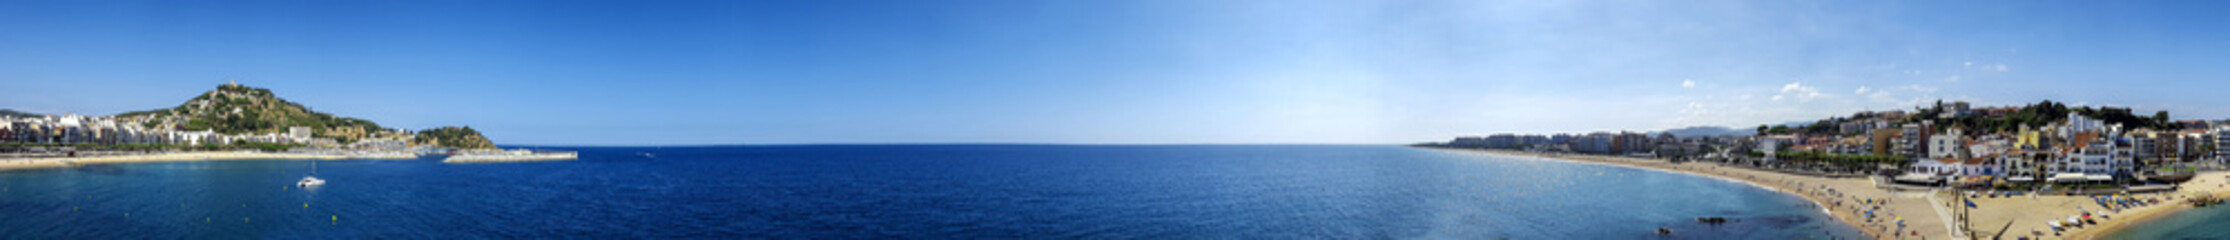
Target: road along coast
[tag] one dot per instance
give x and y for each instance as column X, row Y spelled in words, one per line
column 55, row 162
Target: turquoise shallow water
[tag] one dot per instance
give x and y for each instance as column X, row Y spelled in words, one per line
column 907, row 191
column 2201, row 223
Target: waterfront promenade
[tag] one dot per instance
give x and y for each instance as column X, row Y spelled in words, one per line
column 54, row 162
column 1924, row 214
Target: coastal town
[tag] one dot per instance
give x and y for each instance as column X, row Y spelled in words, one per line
column 71, row 130
column 1935, row 169
column 231, row 122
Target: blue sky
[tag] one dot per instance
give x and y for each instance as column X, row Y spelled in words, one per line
column 781, row 72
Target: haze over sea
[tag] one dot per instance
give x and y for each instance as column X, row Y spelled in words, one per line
column 915, row 191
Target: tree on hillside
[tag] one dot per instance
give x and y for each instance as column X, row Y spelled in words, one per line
column 453, row 137
column 2160, row 119
column 1822, row 127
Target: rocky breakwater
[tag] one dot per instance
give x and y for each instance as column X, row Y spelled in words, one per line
column 521, row 155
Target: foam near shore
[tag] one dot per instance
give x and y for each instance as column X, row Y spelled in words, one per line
column 1929, row 213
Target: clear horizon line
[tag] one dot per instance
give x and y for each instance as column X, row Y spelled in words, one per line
column 951, row 144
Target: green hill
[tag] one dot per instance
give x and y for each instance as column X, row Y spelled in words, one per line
column 238, row 109
column 14, row 113
column 453, row 137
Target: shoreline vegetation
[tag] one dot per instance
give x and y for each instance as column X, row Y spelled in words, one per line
column 62, row 162
column 1923, row 213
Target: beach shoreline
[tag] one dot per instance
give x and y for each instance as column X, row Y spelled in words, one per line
column 36, row 163
column 2152, row 213
column 1668, row 167
column 1925, row 213
column 2147, row 214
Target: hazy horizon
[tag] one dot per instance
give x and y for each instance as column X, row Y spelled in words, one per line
column 1127, row 72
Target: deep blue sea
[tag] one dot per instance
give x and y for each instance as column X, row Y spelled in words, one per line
column 906, row 191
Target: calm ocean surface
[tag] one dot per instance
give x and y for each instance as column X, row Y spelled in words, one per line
column 907, row 191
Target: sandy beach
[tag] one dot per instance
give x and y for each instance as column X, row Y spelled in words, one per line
column 1925, row 214
column 2213, row 183
column 27, row 163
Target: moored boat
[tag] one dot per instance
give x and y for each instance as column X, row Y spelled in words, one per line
column 310, row 180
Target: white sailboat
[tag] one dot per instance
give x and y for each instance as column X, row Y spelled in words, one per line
column 311, row 180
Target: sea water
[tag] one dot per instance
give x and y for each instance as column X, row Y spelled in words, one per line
column 907, row 191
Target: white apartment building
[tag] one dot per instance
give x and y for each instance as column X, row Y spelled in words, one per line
column 1946, row 145
column 2222, row 144
column 2078, row 123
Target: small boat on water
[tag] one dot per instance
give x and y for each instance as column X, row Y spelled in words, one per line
column 1664, row 231
column 311, row 180
column 1712, row 220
